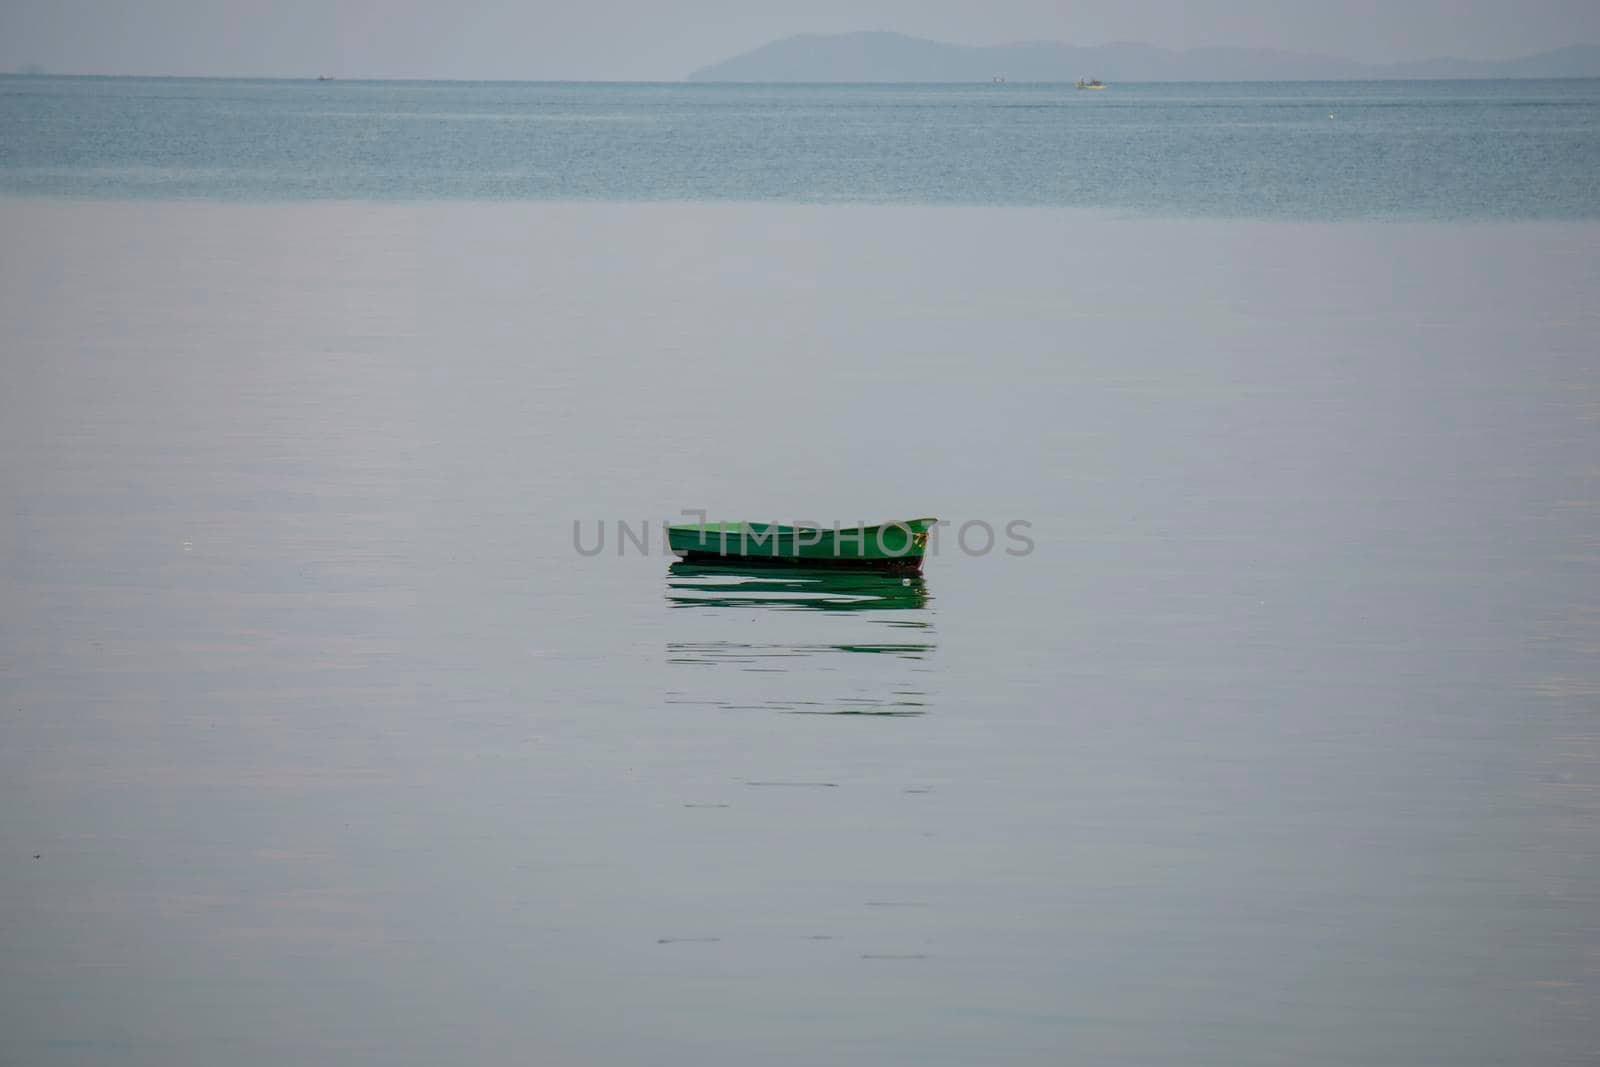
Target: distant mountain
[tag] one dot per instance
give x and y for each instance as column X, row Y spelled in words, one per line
column 894, row 57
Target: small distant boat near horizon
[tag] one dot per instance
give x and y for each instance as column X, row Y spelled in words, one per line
column 1092, row 83
column 896, row 546
column 324, row 77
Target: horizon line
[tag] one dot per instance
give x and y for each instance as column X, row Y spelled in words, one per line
column 689, row 80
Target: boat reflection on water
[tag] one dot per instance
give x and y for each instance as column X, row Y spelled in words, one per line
column 820, row 642
column 708, row 585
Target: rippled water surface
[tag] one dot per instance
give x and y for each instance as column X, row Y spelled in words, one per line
column 1415, row 150
column 322, row 743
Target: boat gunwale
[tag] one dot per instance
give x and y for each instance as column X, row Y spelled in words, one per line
column 918, row 525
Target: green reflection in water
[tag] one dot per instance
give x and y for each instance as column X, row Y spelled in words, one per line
column 783, row 675
column 708, row 585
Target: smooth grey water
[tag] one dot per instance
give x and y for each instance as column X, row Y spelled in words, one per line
column 321, row 744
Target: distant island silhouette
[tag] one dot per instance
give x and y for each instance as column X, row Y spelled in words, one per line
column 894, row 57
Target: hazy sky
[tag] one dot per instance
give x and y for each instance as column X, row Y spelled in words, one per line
column 647, row 39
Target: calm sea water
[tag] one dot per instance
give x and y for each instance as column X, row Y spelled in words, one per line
column 1443, row 150
column 320, row 742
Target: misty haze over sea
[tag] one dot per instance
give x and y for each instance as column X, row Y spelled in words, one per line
column 895, row 57
column 320, row 742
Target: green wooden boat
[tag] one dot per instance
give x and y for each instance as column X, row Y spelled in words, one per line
column 889, row 546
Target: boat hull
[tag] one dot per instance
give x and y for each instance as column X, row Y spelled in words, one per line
column 909, row 565
column 897, row 547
